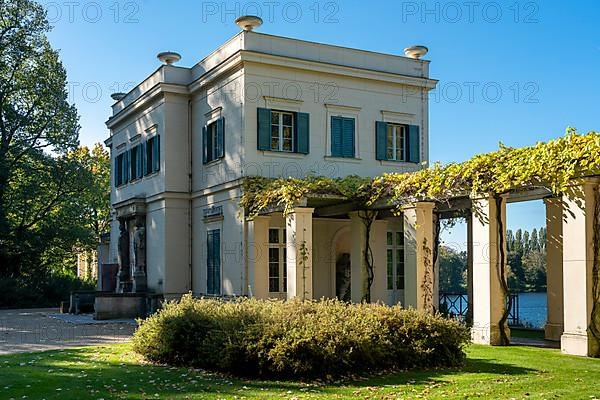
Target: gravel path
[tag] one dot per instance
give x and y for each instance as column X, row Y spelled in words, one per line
column 44, row 329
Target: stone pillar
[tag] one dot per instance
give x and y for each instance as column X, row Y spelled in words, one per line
column 418, row 267
column 579, row 223
column 469, row 246
column 489, row 301
column 554, row 266
column 257, row 250
column 299, row 235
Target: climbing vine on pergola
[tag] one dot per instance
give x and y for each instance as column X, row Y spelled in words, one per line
column 552, row 165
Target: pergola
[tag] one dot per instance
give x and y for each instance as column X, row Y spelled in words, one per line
column 573, row 235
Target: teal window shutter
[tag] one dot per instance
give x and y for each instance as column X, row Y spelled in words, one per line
column 342, row 136
column 157, row 153
column 336, row 136
column 213, row 262
column 126, row 167
column 139, row 160
column 302, row 133
column 143, row 157
column 380, row 140
column 348, row 137
column 220, row 137
column 264, row 129
column 204, row 145
column 117, row 170
column 414, row 144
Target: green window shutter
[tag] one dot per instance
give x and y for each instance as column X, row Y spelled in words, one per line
column 380, row 140
column 116, row 171
column 131, row 163
column 264, row 129
column 336, row 136
column 348, row 137
column 148, row 157
column 156, row 153
column 204, row 145
column 213, row 262
column 139, row 160
column 414, row 144
column 220, row 137
column 126, row 167
column 144, row 161
column 302, row 133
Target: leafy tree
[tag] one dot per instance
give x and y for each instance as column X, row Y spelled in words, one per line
column 534, row 242
column 543, row 238
column 510, row 240
column 452, row 270
column 526, row 243
column 518, row 247
column 38, row 127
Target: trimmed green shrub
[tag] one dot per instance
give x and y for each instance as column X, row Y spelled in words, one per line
column 295, row 339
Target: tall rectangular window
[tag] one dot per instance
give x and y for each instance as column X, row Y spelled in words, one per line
column 153, row 155
column 213, row 138
column 213, row 262
column 395, row 260
column 282, row 131
column 396, row 142
column 277, row 261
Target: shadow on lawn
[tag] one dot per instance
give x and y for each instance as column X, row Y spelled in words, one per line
column 417, row 377
column 79, row 372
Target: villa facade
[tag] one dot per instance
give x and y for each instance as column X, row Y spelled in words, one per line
column 260, row 105
column 183, row 141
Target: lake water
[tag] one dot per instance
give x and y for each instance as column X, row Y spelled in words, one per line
column 532, row 309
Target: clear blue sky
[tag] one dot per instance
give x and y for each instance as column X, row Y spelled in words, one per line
column 510, row 71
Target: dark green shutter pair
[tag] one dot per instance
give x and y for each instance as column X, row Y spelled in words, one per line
column 213, row 262
column 342, row 136
column 301, row 131
column 208, row 145
column 413, row 142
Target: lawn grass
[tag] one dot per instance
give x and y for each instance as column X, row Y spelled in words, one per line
column 114, row 372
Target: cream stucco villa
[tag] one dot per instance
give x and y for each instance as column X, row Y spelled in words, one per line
column 184, row 139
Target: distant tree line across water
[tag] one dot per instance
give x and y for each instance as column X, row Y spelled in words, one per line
column 526, row 256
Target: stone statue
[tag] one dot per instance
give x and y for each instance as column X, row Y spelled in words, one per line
column 342, row 277
column 123, row 256
column 139, row 247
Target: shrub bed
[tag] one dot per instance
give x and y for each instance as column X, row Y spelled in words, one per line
column 311, row 339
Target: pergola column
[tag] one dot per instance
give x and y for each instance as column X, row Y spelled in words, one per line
column 469, row 269
column 299, row 235
column 489, row 301
column 358, row 233
column 418, row 267
column 554, row 267
column 257, row 249
column 579, row 223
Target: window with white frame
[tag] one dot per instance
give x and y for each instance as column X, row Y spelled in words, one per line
column 282, row 131
column 396, row 142
column 277, row 261
column 395, row 260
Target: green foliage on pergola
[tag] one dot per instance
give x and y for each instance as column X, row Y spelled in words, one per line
column 551, row 165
